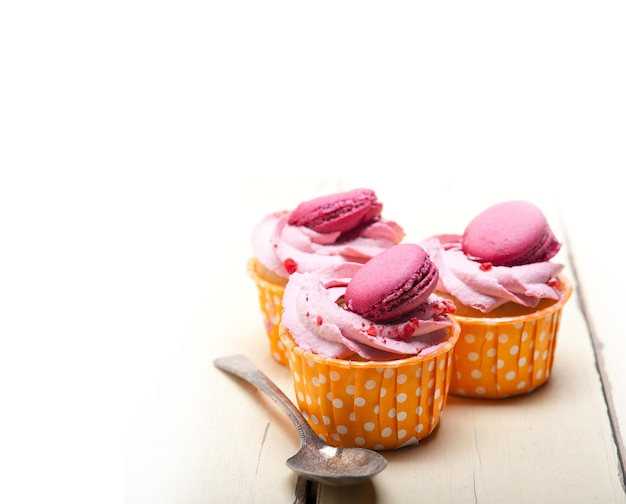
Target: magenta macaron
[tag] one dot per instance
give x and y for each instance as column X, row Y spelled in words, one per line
column 392, row 284
column 510, row 234
column 340, row 212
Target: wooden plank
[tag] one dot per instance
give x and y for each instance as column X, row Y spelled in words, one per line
column 596, row 242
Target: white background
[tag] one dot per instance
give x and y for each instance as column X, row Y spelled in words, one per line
column 116, row 116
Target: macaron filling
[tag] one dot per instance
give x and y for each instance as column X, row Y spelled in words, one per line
column 546, row 248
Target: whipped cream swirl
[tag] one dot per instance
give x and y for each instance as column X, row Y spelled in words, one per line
column 317, row 321
column 285, row 248
column 485, row 287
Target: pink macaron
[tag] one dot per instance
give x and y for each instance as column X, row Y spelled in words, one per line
column 510, row 234
column 339, row 212
column 392, row 284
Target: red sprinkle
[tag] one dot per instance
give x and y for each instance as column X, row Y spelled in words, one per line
column 371, row 331
column 486, row 266
column 554, row 283
column 319, row 320
column 407, row 330
column 290, row 265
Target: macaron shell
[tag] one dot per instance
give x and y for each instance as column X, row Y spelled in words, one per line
column 509, row 234
column 339, row 212
column 393, row 283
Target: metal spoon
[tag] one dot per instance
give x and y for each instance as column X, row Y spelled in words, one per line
column 315, row 460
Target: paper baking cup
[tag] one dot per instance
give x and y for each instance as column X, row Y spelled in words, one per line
column 378, row 405
column 508, row 356
column 270, row 302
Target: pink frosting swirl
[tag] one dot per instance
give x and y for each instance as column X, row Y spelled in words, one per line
column 285, row 248
column 485, row 287
column 313, row 314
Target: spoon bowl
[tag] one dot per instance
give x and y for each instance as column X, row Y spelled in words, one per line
column 315, row 460
column 336, row 466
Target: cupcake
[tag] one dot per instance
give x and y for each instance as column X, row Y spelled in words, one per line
column 370, row 349
column 508, row 295
column 325, row 231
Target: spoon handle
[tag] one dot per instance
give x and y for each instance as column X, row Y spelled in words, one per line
column 241, row 366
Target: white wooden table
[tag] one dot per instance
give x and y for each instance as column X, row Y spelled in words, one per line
column 141, row 141
column 199, row 435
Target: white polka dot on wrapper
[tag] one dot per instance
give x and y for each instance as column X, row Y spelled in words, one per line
column 504, row 359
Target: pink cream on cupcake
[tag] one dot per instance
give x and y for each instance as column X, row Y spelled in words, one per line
column 381, row 310
column 329, row 230
column 502, row 257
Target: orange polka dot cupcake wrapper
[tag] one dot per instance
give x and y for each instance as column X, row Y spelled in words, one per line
column 509, row 356
column 377, row 405
column 270, row 302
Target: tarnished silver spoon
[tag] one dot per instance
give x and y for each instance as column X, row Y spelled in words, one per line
column 315, row 460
